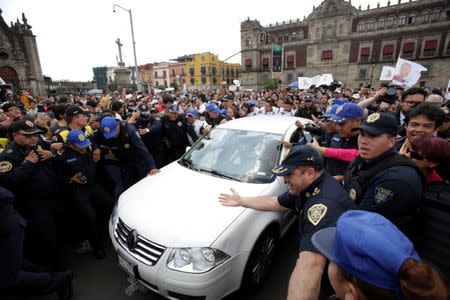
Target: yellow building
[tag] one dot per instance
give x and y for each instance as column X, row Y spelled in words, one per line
column 206, row 70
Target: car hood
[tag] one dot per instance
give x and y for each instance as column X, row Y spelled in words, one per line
column 180, row 208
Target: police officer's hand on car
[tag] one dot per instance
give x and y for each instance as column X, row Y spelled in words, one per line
column 153, row 172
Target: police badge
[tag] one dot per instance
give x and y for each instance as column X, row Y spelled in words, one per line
column 316, row 213
column 382, row 195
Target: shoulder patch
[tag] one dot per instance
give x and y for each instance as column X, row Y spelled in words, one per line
column 316, row 213
column 71, row 160
column 5, row 166
column 382, row 195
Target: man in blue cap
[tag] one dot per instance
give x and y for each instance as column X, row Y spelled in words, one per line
column 213, row 116
column 77, row 171
column 318, row 200
column 123, row 154
column 347, row 117
column 175, row 132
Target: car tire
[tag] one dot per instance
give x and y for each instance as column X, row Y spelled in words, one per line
column 260, row 260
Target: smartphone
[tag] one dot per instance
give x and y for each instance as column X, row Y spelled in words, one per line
column 307, row 136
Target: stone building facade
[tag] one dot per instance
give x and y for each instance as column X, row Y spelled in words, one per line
column 19, row 57
column 351, row 43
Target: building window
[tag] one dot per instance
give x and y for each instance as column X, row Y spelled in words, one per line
column 390, row 22
column 247, row 42
column 203, row 70
column 363, row 73
column 301, row 35
column 426, row 73
column 203, row 79
column 341, row 28
column 388, row 51
column 214, row 70
column 435, row 15
column 300, row 75
column 164, row 74
column 362, row 26
column 370, row 24
column 328, row 32
column 408, row 50
column 156, row 74
column 317, row 33
column 228, row 71
column 173, row 72
column 290, row 59
column 289, row 77
column 425, row 17
column 265, row 63
column 157, row 83
column 214, row 79
column 327, row 56
column 192, row 80
column 402, row 20
column 412, row 19
column 165, row 83
column 191, row 71
column 232, row 72
column 248, row 64
column 365, row 53
column 430, row 48
column 203, row 58
column 381, row 23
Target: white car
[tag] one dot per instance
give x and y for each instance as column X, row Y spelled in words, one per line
column 173, row 236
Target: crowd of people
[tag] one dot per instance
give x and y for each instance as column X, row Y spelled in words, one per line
column 65, row 160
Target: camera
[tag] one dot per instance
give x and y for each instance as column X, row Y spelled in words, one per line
column 390, row 96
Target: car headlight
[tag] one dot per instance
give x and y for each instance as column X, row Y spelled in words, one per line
column 115, row 214
column 195, row 260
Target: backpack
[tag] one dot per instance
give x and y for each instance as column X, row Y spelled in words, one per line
column 432, row 227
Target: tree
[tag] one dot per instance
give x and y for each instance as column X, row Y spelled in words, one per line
column 270, row 84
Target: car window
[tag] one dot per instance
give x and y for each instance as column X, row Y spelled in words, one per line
column 242, row 155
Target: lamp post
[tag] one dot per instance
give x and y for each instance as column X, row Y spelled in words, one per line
column 372, row 61
column 136, row 70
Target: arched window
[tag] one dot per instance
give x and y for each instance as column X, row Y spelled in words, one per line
column 425, row 17
column 300, row 35
column 435, row 15
column 390, row 22
column 370, row 24
column 381, row 23
column 412, row 18
column 362, row 26
column 247, row 42
column 328, row 32
column 402, row 20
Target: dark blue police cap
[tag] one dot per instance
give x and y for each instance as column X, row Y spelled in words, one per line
column 379, row 123
column 303, row 155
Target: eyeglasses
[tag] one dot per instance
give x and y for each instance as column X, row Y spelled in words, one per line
column 14, row 109
column 415, row 155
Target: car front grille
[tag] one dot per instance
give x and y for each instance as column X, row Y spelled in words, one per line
column 144, row 250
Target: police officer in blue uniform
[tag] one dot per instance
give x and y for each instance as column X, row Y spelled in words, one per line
column 77, row 170
column 27, row 170
column 381, row 180
column 348, row 116
column 175, row 130
column 318, row 200
column 17, row 276
column 123, row 154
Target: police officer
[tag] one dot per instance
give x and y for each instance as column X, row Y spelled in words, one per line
column 27, row 169
column 123, row 154
column 150, row 129
column 381, row 180
column 175, row 130
column 348, row 116
column 308, row 111
column 318, row 200
column 76, row 118
column 77, row 170
column 18, row 277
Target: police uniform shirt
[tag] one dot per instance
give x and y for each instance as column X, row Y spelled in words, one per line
column 319, row 205
column 71, row 162
column 395, row 191
column 336, row 166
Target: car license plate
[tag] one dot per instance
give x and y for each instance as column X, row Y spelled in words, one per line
column 126, row 265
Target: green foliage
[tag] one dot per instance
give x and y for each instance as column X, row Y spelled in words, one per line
column 270, row 84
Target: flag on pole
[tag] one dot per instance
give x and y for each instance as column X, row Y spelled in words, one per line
column 407, row 72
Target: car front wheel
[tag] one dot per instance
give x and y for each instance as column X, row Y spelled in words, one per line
column 260, row 260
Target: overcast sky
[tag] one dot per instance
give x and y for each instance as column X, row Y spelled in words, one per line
column 73, row 36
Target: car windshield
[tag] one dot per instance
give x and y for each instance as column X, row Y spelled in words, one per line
column 235, row 154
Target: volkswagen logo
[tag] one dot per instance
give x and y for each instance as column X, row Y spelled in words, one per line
column 132, row 239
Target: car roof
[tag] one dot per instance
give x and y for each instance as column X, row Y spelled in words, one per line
column 270, row 124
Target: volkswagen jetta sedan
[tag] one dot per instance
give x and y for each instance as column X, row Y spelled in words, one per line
column 173, row 236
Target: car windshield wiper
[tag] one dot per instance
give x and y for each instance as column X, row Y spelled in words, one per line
column 188, row 164
column 218, row 174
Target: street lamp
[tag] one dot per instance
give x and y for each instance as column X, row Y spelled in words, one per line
column 136, row 71
column 372, row 61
